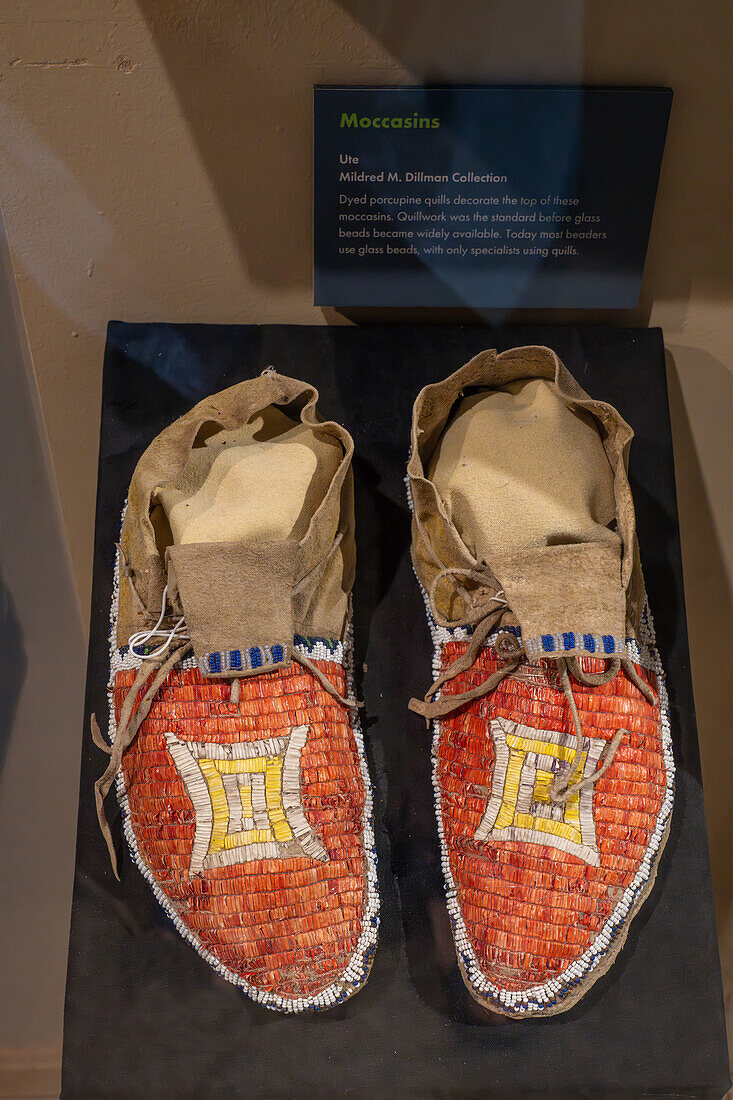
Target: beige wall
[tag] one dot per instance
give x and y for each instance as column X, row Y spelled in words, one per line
column 155, row 165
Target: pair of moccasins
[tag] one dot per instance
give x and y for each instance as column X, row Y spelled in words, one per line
column 235, row 741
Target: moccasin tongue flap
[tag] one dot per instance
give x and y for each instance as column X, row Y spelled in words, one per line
column 567, row 599
column 237, row 603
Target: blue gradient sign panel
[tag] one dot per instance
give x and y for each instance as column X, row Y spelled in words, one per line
column 503, row 197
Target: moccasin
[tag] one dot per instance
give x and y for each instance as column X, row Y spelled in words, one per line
column 553, row 767
column 235, row 743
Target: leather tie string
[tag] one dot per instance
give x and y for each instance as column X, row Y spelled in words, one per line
column 486, row 618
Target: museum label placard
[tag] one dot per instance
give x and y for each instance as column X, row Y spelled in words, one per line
column 486, row 197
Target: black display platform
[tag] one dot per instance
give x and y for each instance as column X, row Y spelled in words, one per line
column 146, row 1017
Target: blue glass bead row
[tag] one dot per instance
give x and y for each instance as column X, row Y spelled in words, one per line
column 243, row 660
column 602, row 645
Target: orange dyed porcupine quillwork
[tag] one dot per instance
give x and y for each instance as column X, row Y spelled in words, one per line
column 531, row 909
column 285, row 925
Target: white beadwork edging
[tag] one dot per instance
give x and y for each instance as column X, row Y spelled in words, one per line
column 541, row 997
column 359, row 964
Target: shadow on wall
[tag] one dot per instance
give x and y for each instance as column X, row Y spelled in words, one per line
column 710, row 615
column 42, row 661
column 243, row 75
column 13, row 666
column 478, row 41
